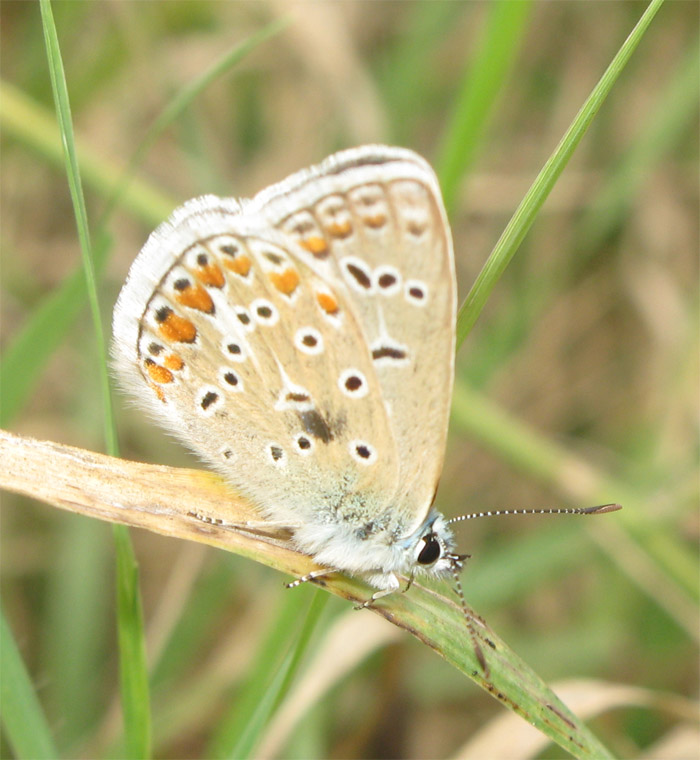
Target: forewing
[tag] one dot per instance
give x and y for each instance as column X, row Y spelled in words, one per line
column 256, row 358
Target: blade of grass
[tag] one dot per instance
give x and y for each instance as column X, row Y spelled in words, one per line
column 527, row 211
column 132, row 661
column 60, row 93
column 130, row 492
column 133, row 674
column 662, row 132
column 22, row 717
column 280, row 684
column 482, row 83
column 242, row 728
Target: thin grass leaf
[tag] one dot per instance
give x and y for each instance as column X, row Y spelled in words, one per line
column 23, row 719
column 248, row 716
column 278, row 688
column 60, row 93
column 483, row 82
column 132, row 663
column 132, row 649
column 526, row 212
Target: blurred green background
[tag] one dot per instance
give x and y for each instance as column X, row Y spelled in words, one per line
column 589, row 344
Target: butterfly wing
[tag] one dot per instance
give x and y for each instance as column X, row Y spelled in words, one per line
column 373, row 218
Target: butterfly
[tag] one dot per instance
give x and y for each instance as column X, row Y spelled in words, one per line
column 302, row 343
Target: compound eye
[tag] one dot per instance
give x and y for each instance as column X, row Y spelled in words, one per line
column 431, row 550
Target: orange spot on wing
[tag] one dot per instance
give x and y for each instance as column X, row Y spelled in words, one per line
column 327, row 303
column 196, row 297
column 157, row 373
column 158, row 391
column 375, row 221
column 315, row 244
column 174, row 362
column 175, row 328
column 340, row 229
column 239, row 265
column 286, row 282
column 211, row 274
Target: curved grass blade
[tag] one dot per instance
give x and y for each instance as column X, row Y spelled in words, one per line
column 526, row 212
column 23, row 719
column 132, row 650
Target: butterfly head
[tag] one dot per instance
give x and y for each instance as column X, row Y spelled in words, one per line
column 433, row 548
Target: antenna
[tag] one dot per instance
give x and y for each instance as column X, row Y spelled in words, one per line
column 599, row 510
column 456, row 564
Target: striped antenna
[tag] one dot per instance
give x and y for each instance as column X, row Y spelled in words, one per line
column 599, row 510
column 456, row 564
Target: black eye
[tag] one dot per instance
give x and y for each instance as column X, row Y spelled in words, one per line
column 431, row 550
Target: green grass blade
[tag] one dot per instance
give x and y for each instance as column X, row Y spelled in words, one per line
column 134, row 683
column 132, row 649
column 22, row 717
column 60, row 92
column 482, row 83
column 438, row 622
column 526, row 212
column 240, row 731
column 280, row 684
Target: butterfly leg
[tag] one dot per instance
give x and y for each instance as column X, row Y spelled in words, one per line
column 309, row 577
column 392, row 585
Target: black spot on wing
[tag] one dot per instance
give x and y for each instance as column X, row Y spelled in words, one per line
column 388, row 352
column 315, row 425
